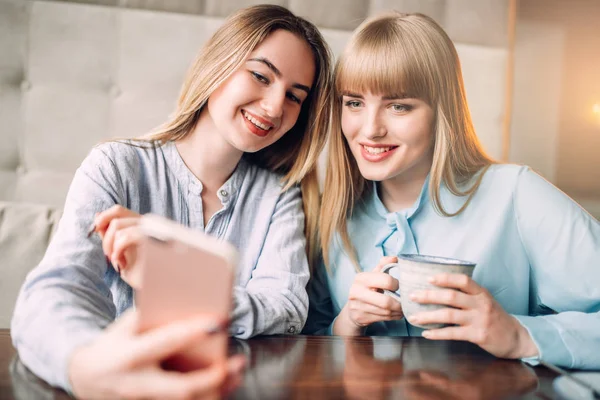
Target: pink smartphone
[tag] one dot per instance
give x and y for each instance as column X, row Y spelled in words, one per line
column 185, row 273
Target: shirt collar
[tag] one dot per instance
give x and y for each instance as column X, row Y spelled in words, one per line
column 226, row 193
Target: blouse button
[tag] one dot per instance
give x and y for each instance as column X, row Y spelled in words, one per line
column 223, row 193
column 292, row 329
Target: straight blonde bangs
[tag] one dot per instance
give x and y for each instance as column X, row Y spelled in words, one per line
column 381, row 59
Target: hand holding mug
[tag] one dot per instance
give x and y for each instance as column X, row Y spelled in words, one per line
column 476, row 315
column 366, row 302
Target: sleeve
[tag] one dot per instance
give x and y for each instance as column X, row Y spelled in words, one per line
column 321, row 315
column 275, row 301
column 562, row 242
column 64, row 302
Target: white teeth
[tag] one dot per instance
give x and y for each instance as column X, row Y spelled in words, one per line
column 376, row 150
column 255, row 122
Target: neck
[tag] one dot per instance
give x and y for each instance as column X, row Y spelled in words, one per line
column 207, row 154
column 401, row 192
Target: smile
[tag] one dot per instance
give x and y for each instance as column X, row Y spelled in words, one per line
column 375, row 154
column 265, row 126
column 377, row 150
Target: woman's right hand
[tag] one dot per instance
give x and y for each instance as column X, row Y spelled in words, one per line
column 118, row 228
column 122, row 363
column 366, row 302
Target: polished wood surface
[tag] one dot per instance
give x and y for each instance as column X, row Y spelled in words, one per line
column 315, row 367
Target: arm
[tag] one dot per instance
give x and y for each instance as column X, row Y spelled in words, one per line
column 563, row 245
column 64, row 302
column 366, row 303
column 275, row 301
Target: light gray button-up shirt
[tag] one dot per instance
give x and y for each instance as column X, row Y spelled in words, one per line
column 74, row 293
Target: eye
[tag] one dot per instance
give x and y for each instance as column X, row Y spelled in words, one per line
column 401, row 107
column 293, row 97
column 260, row 78
column 352, row 103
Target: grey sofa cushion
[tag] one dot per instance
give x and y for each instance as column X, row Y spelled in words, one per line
column 25, row 230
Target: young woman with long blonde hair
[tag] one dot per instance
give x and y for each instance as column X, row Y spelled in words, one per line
column 237, row 160
column 407, row 175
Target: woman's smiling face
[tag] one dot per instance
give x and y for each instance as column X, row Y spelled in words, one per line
column 389, row 134
column 261, row 101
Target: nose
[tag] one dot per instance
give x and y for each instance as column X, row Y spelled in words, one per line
column 374, row 126
column 272, row 102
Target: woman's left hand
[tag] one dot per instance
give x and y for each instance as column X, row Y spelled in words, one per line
column 477, row 315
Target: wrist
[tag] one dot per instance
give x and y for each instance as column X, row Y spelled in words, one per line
column 344, row 325
column 526, row 347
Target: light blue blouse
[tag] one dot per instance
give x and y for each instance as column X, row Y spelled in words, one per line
column 537, row 252
column 74, row 292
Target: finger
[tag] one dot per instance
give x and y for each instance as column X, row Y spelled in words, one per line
column 379, row 300
column 377, row 280
column 448, row 297
column 377, row 312
column 203, row 382
column 160, row 343
column 457, row 281
column 442, row 316
column 109, row 236
column 125, row 239
column 103, row 219
column 385, row 261
column 448, row 333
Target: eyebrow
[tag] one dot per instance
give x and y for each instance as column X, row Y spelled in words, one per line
column 277, row 72
column 386, row 97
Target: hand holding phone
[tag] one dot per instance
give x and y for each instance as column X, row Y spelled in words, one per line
column 185, row 274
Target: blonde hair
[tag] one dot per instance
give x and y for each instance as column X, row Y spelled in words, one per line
column 401, row 54
column 295, row 155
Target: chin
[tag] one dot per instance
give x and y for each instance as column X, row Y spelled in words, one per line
column 376, row 176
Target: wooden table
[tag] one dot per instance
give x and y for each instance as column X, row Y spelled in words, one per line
column 315, row 367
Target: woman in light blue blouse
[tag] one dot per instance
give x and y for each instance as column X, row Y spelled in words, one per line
column 237, row 161
column 406, row 174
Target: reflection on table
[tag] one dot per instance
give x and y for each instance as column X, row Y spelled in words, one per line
column 315, row 367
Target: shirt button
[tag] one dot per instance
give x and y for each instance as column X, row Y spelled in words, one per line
column 223, row 193
column 292, row 329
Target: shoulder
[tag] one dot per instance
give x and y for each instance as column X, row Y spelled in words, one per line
column 504, row 175
column 501, row 181
column 519, row 179
column 125, row 153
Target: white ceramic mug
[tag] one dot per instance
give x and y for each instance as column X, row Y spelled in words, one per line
column 412, row 272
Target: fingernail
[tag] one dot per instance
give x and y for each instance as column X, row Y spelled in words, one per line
column 426, row 334
column 413, row 297
column 432, row 279
column 117, row 268
column 91, row 230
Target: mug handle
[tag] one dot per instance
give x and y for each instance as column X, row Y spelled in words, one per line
column 386, row 270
